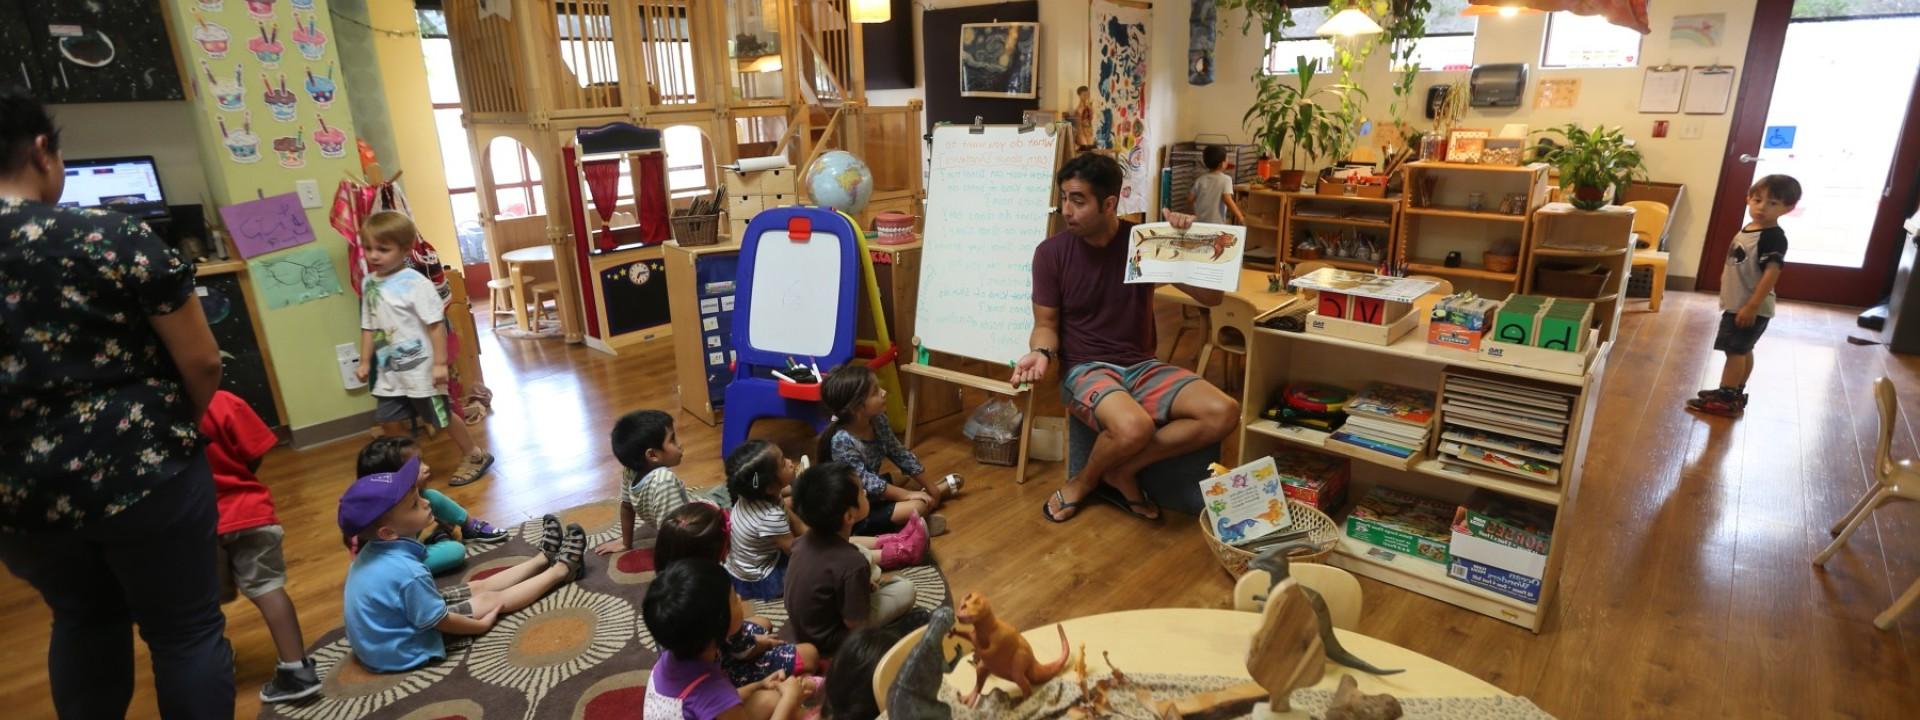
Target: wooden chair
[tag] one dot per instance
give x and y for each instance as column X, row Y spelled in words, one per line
column 1192, row 319
column 500, row 300
column 1423, row 305
column 1649, row 222
column 1304, row 267
column 1232, row 329
column 1893, row 479
column 551, row 290
column 1338, row 587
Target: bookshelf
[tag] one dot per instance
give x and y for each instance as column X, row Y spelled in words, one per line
column 1266, row 212
column 1276, row 358
column 1340, row 217
column 1436, row 220
column 1566, row 236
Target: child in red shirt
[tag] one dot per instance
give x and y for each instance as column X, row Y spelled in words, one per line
column 250, row 535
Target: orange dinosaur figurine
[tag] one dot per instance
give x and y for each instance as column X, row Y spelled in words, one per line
column 998, row 650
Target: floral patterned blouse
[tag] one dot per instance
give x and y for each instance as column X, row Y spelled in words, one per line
column 92, row 411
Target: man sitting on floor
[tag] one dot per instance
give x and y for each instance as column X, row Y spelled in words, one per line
column 1102, row 331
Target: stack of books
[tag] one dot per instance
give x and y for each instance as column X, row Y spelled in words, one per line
column 1386, row 423
column 1247, row 506
column 1504, row 424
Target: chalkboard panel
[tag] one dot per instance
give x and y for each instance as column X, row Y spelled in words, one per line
column 243, row 367
column 635, row 296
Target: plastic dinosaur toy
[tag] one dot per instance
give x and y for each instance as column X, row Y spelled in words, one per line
column 1232, row 533
column 915, row 694
column 1274, row 561
column 999, row 651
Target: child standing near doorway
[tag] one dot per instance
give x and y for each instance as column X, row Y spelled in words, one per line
column 1754, row 260
column 403, row 336
column 1213, row 192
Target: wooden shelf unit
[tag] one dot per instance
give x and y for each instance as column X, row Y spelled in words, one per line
column 1564, row 234
column 1276, row 358
column 1266, row 212
column 1430, row 227
column 1375, row 218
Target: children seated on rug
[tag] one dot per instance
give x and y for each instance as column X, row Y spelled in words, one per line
column 689, row 611
column 849, row 686
column 763, row 530
column 250, row 537
column 830, row 589
column 645, row 444
column 444, row 552
column 860, row 436
column 696, row 532
column 394, row 614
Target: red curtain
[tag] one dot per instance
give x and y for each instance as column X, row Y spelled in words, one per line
column 603, row 188
column 651, row 189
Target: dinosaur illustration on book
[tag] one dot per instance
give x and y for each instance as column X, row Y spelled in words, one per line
column 1234, row 532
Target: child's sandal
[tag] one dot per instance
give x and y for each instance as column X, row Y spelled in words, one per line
column 551, row 537
column 573, row 552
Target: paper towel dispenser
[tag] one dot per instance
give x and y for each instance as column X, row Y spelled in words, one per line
column 1497, row 85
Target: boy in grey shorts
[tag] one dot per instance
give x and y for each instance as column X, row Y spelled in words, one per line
column 1754, row 260
column 249, row 539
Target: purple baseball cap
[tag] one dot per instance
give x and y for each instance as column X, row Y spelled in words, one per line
column 372, row 496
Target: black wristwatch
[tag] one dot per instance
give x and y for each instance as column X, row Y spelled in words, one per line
column 1048, row 352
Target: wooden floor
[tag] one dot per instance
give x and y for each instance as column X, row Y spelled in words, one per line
column 1689, row 593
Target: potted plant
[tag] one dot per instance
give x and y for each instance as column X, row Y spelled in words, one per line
column 1592, row 162
column 1287, row 123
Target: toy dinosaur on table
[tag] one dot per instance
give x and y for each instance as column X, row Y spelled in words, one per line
column 1000, row 651
column 915, row 694
column 1274, row 561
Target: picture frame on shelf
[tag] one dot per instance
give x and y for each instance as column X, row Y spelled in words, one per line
column 1466, row 145
column 1503, row 151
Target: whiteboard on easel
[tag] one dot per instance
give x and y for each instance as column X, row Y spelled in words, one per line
column 989, row 199
column 795, row 307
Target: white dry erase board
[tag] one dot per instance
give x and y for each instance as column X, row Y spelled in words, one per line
column 988, row 204
column 795, row 297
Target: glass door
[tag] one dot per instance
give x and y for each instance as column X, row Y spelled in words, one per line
column 1835, row 121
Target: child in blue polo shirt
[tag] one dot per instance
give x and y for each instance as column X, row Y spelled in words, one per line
column 394, row 614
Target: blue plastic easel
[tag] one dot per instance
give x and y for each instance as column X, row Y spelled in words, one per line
column 795, row 300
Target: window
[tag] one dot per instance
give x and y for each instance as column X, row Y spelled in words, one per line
column 516, row 180
column 687, row 161
column 1448, row 44
column 443, row 91
column 1298, row 41
column 1588, row 41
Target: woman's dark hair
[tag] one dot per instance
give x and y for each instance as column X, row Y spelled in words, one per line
column 385, row 454
column 686, row 608
column 637, row 432
column 845, row 388
column 1100, row 172
column 822, row 496
column 752, row 470
column 22, row 120
column 1213, row 157
column 850, row 681
column 693, row 531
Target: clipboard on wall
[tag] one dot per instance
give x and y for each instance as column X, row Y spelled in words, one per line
column 1662, row 88
column 1709, row 89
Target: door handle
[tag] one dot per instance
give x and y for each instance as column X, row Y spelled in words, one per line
column 1749, row 159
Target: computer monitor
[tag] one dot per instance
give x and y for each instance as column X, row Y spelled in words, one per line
column 128, row 185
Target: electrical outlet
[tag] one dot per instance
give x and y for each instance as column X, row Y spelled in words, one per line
column 348, row 356
column 1690, row 130
column 309, row 193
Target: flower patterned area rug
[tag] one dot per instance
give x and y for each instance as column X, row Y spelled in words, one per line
column 581, row 652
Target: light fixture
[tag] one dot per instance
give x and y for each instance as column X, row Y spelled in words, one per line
column 872, row 11
column 1501, row 10
column 1349, row 23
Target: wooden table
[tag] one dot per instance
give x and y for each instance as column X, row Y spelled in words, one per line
column 514, row 260
column 1253, row 288
column 1214, row 642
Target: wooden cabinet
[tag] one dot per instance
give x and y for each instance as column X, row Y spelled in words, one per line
column 75, row 52
column 1568, row 238
column 1451, row 207
column 700, row 291
column 1353, row 233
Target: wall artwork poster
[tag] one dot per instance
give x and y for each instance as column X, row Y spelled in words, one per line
column 1118, row 63
column 1000, row 60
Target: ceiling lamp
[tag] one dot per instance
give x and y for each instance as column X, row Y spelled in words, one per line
column 872, row 11
column 1349, row 23
column 1501, row 10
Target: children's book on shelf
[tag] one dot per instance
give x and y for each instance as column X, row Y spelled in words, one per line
column 1403, row 522
column 1500, row 544
column 1404, row 405
column 1507, row 428
column 1204, row 255
column 1246, row 503
column 1368, row 285
column 1313, row 478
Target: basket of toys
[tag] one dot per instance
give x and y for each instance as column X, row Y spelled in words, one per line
column 695, row 230
column 1320, row 530
column 992, row 451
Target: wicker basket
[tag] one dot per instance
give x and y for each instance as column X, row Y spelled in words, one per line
column 695, row 230
column 996, row 452
column 1321, row 531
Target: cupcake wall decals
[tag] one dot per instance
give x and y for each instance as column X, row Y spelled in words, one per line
column 228, row 94
column 308, row 38
column 242, row 145
column 332, row 141
column 292, row 150
column 213, row 38
column 260, row 9
column 301, row 4
column 281, row 101
column 267, row 47
column 213, row 5
column 321, row 87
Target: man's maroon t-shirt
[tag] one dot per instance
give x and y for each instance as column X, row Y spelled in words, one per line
column 1102, row 319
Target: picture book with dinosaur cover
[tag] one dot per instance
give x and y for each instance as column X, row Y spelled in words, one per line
column 1205, row 255
column 1246, row 503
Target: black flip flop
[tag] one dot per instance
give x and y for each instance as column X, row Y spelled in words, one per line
column 1064, row 506
column 1113, row 496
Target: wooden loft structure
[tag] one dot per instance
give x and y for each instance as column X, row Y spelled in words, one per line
column 754, row 77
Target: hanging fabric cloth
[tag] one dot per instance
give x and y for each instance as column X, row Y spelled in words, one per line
column 650, row 189
column 603, row 190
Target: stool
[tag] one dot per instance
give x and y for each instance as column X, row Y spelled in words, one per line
column 500, row 299
column 549, row 289
column 1173, row 483
column 1656, row 260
